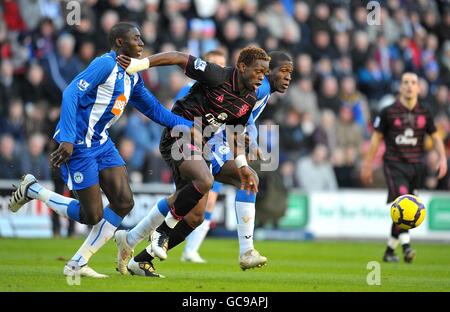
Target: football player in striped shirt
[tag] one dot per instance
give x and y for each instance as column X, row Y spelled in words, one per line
column 87, row 157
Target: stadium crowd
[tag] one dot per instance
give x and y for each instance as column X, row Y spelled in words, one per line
column 345, row 71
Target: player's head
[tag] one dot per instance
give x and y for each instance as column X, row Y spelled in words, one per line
column 409, row 86
column 125, row 38
column 216, row 57
column 253, row 64
column 280, row 71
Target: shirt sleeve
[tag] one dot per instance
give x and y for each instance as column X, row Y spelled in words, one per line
column 95, row 74
column 149, row 105
column 380, row 123
column 204, row 72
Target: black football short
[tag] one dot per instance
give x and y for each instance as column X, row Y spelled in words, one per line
column 402, row 178
column 174, row 152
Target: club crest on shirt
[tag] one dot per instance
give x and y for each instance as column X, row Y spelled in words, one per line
column 244, row 109
column 421, row 121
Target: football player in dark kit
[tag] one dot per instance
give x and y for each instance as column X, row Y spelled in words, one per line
column 403, row 126
column 221, row 96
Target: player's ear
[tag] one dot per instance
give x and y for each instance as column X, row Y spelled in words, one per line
column 119, row 42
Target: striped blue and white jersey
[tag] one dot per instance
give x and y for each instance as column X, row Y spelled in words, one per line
column 96, row 99
column 262, row 97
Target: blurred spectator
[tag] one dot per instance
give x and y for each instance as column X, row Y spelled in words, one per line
column 341, row 21
column 10, row 164
column 329, row 95
column 292, row 137
column 145, row 135
column 35, row 160
column 63, row 65
column 14, row 123
column 348, row 139
column 44, row 38
column 303, row 98
column 271, row 204
column 356, row 101
column 126, row 150
column 315, row 173
column 34, row 89
column 9, row 86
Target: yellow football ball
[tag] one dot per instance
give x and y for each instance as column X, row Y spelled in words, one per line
column 408, row 211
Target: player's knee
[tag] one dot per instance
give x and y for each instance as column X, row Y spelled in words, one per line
column 124, row 205
column 204, row 184
column 195, row 219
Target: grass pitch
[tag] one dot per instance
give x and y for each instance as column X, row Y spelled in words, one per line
column 37, row 265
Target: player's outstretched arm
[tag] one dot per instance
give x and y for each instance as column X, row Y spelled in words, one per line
column 133, row 65
column 149, row 105
column 439, row 145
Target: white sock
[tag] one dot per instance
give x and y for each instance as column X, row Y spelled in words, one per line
column 55, row 201
column 171, row 221
column 100, row 234
column 404, row 238
column 245, row 213
column 145, row 227
column 392, row 242
column 195, row 239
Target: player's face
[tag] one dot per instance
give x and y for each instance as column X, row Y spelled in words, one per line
column 253, row 75
column 409, row 86
column 133, row 45
column 280, row 77
column 217, row 59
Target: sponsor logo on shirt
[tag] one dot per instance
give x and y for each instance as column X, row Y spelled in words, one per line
column 119, row 105
column 407, row 138
column 200, row 64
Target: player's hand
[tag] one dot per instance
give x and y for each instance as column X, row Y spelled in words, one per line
column 248, row 180
column 61, row 155
column 133, row 65
column 256, row 154
column 442, row 168
column 124, row 61
column 366, row 173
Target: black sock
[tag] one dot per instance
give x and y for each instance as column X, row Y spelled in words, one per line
column 406, row 246
column 164, row 228
column 389, row 250
column 186, row 199
column 179, row 233
column 395, row 231
column 143, row 256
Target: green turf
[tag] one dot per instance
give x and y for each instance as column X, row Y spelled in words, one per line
column 33, row 265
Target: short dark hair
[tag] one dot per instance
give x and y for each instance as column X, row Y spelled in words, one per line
column 277, row 57
column 252, row 53
column 120, row 30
